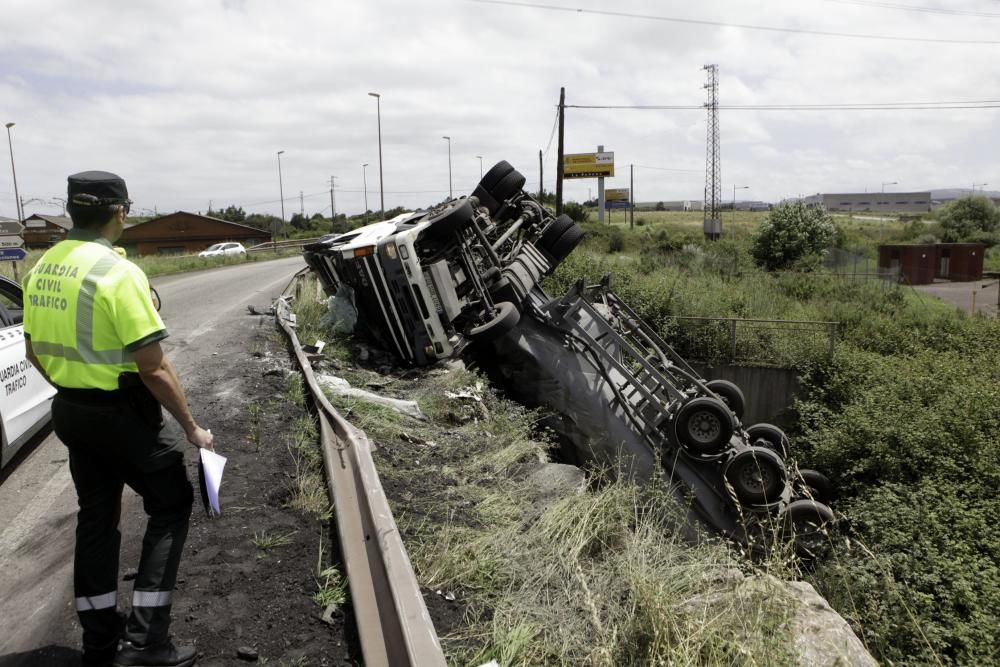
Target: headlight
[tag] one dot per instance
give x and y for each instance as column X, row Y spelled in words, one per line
column 390, row 249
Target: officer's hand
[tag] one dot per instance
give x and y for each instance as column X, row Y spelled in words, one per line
column 201, row 438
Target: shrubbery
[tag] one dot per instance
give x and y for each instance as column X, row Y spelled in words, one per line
column 792, row 233
column 963, row 218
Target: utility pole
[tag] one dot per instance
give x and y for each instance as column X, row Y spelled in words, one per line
column 713, row 161
column 631, row 196
column 302, row 205
column 541, row 176
column 559, row 158
column 333, row 199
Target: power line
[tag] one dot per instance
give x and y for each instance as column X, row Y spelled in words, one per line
column 912, row 8
column 686, row 171
column 743, row 26
column 555, row 126
column 872, row 106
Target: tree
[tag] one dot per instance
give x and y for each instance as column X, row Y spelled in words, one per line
column 232, row 214
column 968, row 217
column 576, row 211
column 792, row 233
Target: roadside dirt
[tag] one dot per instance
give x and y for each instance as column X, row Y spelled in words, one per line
column 233, row 594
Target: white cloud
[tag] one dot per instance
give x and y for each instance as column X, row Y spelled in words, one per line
column 191, row 100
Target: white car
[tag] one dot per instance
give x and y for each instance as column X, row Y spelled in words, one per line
column 25, row 397
column 224, row 249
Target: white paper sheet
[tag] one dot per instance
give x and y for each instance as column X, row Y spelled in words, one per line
column 213, row 464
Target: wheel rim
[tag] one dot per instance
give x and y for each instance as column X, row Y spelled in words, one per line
column 755, row 478
column 704, row 427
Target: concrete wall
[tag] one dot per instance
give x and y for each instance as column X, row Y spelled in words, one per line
column 769, row 392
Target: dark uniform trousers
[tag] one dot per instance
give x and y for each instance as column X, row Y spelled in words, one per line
column 111, row 444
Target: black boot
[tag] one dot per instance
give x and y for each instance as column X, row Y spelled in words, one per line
column 158, row 655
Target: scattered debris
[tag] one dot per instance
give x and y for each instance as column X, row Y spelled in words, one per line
column 130, row 574
column 342, row 387
column 447, row 595
column 328, row 613
column 254, row 311
column 317, row 348
column 247, row 653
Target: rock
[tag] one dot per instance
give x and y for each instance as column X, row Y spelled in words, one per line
column 130, row 574
column 819, row 636
column 247, row 653
column 548, row 482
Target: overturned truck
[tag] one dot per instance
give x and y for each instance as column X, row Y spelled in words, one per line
column 465, row 277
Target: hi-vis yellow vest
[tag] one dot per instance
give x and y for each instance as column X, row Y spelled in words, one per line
column 85, row 310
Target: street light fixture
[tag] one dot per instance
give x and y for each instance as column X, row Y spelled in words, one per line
column 974, row 185
column 480, row 166
column 364, row 179
column 281, row 191
column 17, row 198
column 735, row 188
column 888, row 183
column 450, row 195
column 381, row 184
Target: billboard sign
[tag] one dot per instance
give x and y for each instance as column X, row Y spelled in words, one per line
column 616, row 194
column 589, row 165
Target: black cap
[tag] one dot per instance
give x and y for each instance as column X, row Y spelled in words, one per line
column 97, row 188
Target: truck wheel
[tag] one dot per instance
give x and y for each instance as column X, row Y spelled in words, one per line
column 565, row 244
column 770, row 436
column 555, row 229
column 503, row 290
column 505, row 319
column 814, row 485
column 808, row 524
column 485, row 199
column 508, row 186
column 757, row 476
column 496, row 172
column 453, row 217
column 730, row 394
column 704, row 425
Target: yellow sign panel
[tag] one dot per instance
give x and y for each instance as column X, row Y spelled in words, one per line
column 589, row 165
column 616, row 194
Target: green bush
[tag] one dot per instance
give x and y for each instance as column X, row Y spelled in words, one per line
column 576, row 211
column 616, row 242
column 964, row 217
column 791, row 232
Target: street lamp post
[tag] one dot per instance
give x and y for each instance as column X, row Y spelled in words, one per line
column 381, row 184
column 735, row 188
column 364, row 179
column 480, row 166
column 888, row 183
column 974, row 185
column 281, row 191
column 17, row 198
column 450, row 195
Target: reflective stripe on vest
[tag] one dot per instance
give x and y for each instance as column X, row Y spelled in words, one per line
column 151, row 598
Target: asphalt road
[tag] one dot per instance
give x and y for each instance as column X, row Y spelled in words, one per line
column 206, row 314
column 979, row 296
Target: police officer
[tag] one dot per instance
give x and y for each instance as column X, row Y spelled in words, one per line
column 91, row 329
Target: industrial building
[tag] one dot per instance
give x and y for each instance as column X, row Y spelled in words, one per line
column 872, row 202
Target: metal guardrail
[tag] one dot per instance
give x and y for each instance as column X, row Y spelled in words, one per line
column 393, row 624
column 279, row 245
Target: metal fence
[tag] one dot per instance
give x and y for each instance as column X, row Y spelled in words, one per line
column 721, row 340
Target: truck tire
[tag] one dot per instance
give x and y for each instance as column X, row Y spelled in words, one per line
column 758, row 477
column 493, row 176
column 808, row 524
column 730, row 394
column 813, row 485
column 456, row 214
column 485, row 199
column 565, row 244
column 506, row 318
column 555, row 229
column 770, row 436
column 703, row 426
column 508, row 186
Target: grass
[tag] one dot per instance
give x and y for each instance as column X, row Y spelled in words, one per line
column 266, row 541
column 331, row 587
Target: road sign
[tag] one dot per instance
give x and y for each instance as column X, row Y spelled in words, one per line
column 10, row 227
column 12, row 254
column 616, row 194
column 616, row 203
column 11, row 241
column 589, row 165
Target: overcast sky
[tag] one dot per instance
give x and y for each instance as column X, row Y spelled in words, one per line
column 190, row 100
